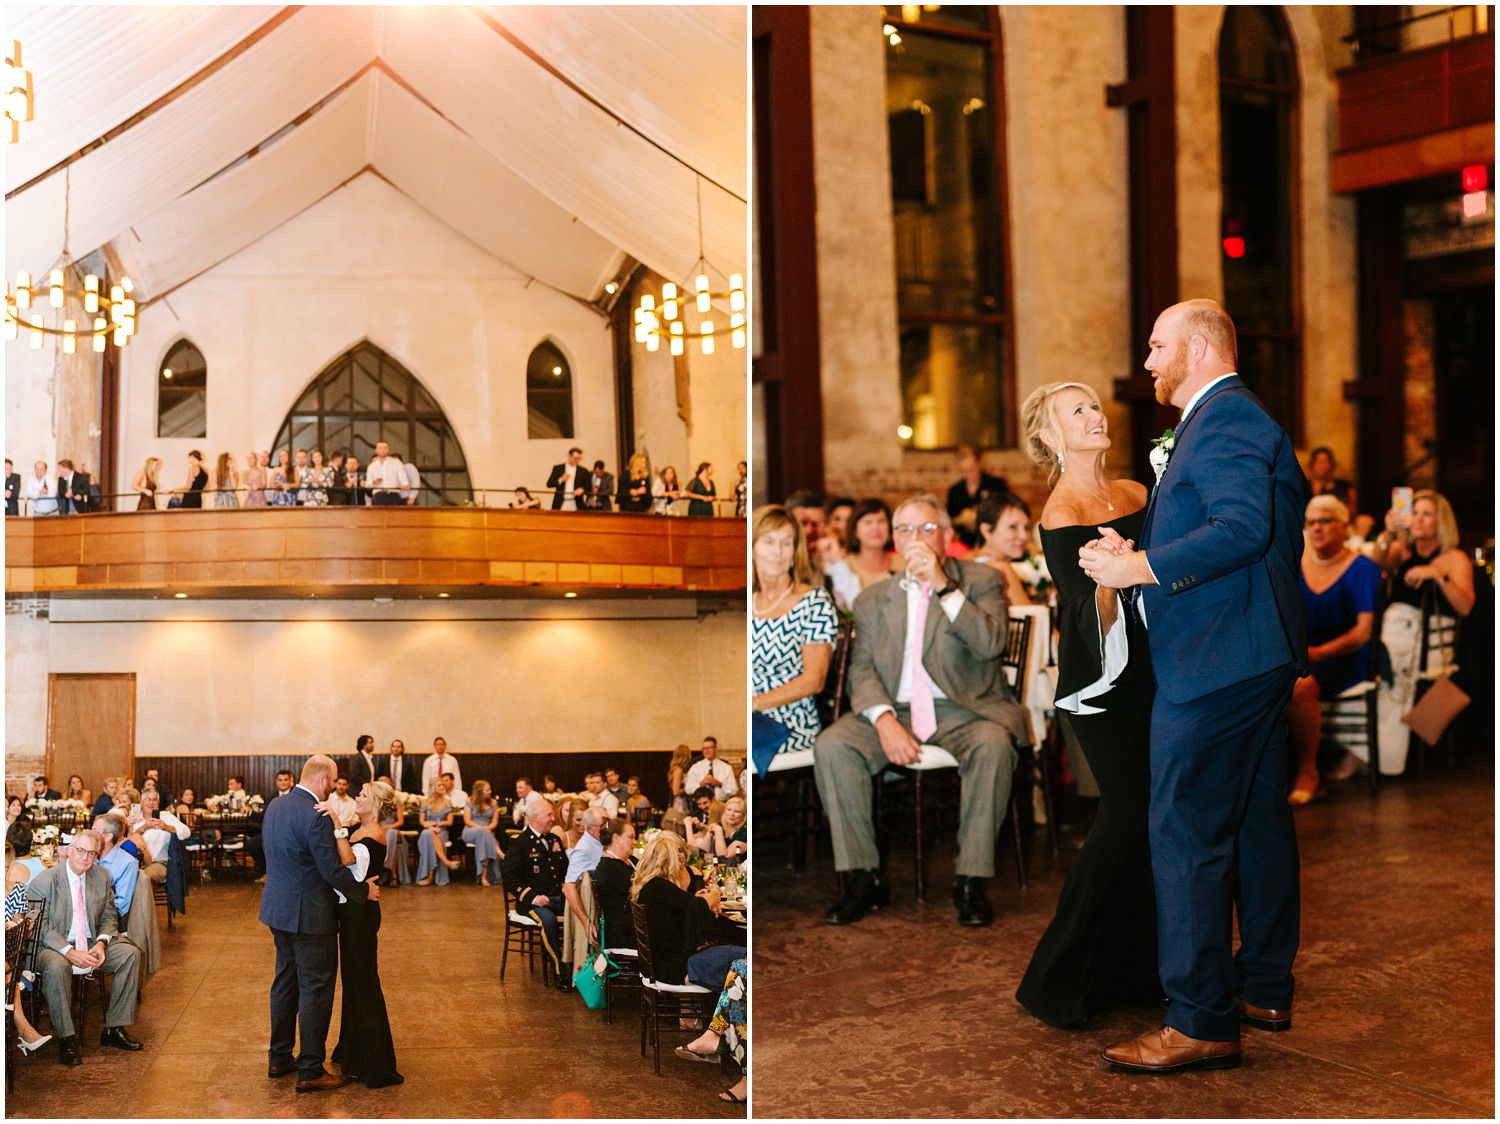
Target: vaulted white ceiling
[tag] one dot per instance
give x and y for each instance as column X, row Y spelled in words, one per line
column 556, row 139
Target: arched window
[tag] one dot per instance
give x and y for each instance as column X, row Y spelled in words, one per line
column 943, row 112
column 549, row 393
column 1258, row 162
column 182, row 393
column 365, row 396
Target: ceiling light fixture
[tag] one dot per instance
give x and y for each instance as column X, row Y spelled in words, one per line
column 20, row 97
column 112, row 313
column 653, row 320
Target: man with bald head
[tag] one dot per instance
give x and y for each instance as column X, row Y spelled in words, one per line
column 534, row 866
column 1216, row 581
column 299, row 907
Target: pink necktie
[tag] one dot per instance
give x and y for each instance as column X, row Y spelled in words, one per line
column 80, row 920
column 923, row 712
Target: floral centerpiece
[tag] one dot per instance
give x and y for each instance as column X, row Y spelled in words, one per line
column 408, row 802
column 63, row 805
column 47, row 833
column 240, row 801
column 1033, row 572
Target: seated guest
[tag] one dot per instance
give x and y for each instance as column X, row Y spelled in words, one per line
column 156, row 829
column 582, row 860
column 432, row 844
column 615, row 787
column 126, row 798
column 525, row 501
column 710, row 811
column 239, row 799
column 725, row 839
column 730, row 1025
column 106, row 800
column 612, row 879
column 637, row 805
column 569, row 827
column 15, row 913
column 549, row 784
column 91, row 941
column 1005, row 536
column 526, row 799
column 712, row 771
column 76, row 791
column 534, row 866
column 342, row 803
column 971, row 489
column 680, row 922
column 154, row 776
column 600, row 797
column 480, row 816
column 456, row 796
column 868, row 555
column 14, row 810
column 960, row 701
column 25, row 866
column 41, row 790
column 120, row 857
column 184, row 809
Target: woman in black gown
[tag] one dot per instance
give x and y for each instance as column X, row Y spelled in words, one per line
column 1100, row 949
column 365, row 1051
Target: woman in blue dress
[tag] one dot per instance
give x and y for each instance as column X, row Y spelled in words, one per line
column 479, row 833
column 432, row 846
column 1339, row 587
column 793, row 625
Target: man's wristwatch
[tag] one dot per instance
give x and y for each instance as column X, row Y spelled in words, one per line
column 341, row 833
column 947, row 589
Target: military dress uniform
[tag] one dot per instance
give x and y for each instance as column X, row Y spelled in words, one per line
column 535, row 865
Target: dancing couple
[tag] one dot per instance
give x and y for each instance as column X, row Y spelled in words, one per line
column 1181, row 635
column 324, row 914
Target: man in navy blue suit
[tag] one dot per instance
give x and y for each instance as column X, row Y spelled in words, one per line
column 1216, row 577
column 299, row 907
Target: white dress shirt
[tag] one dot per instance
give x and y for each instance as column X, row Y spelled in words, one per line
column 431, row 772
column 384, row 474
column 41, row 494
column 569, row 482
column 534, row 800
column 343, row 808
column 952, row 605
column 157, row 839
column 607, row 803
column 721, row 771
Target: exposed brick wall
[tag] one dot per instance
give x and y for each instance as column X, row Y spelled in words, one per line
column 935, row 473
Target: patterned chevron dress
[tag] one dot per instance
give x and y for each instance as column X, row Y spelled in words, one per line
column 777, row 643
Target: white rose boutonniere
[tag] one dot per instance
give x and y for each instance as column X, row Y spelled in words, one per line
column 1161, row 452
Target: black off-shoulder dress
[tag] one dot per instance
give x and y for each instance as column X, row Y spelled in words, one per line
column 1099, row 951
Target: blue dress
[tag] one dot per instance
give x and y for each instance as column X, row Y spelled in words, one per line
column 777, row 643
column 1332, row 613
column 427, row 860
column 482, row 838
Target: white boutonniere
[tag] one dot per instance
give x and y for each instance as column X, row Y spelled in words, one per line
column 1161, row 452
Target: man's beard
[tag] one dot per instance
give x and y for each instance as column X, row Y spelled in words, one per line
column 1168, row 380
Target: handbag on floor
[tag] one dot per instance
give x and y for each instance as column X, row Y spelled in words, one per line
column 588, row 981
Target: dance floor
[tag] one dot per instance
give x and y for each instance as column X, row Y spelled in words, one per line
column 906, row 1014
column 468, row 1045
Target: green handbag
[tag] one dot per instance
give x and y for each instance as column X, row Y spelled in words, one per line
column 588, row 981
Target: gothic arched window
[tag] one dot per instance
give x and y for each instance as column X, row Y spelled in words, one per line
column 365, row 396
column 1258, row 165
column 182, row 393
column 549, row 393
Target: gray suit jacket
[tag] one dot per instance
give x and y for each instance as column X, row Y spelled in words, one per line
column 962, row 656
column 51, row 887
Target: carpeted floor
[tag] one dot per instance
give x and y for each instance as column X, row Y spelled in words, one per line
column 467, row 1044
column 906, row 1014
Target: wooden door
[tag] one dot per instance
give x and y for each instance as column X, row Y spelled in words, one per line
column 90, row 728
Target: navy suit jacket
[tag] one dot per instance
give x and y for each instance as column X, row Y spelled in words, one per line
column 1223, row 535
column 303, row 868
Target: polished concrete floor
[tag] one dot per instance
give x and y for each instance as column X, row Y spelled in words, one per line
column 906, row 1014
column 467, row 1044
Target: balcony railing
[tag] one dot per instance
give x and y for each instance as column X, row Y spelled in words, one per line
column 361, row 551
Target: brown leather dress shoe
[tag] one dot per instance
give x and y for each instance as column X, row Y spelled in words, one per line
column 1166, row 1051
column 281, row 1070
column 318, row 1084
column 1265, row 1018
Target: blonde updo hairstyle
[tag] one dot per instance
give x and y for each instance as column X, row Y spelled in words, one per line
column 383, row 796
column 1037, row 415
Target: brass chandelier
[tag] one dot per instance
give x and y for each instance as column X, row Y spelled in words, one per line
column 668, row 317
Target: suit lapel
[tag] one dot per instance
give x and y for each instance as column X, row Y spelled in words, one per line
column 1178, row 432
column 894, row 610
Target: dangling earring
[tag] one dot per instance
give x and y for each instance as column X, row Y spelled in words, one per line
column 1061, row 468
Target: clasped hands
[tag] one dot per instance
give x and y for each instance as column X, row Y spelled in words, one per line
column 1113, row 562
column 93, row 958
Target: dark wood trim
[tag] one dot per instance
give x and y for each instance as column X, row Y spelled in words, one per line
column 109, row 420
column 789, row 367
column 1149, row 98
column 621, row 336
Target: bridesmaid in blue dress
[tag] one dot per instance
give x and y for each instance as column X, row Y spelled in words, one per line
column 479, row 833
column 432, row 846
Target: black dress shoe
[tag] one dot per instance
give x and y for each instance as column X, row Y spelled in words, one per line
column 973, row 907
column 863, row 892
column 563, row 982
column 68, row 1052
column 281, row 1070
column 115, row 1036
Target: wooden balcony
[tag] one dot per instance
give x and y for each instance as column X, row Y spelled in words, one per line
column 1416, row 114
column 369, row 551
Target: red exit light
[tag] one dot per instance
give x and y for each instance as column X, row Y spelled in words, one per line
column 1234, row 247
column 1475, row 178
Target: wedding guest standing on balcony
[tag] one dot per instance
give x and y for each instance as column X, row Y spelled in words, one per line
column 72, row 489
column 315, row 491
column 355, row 495
column 702, row 484
column 40, row 493
column 665, row 492
column 12, row 489
column 601, row 487
column 570, row 481
column 635, row 485
column 303, row 468
column 226, row 483
column 255, row 481
column 338, row 494
column 197, row 480
column 411, row 495
column 284, row 481
column 384, row 477
column 741, row 490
